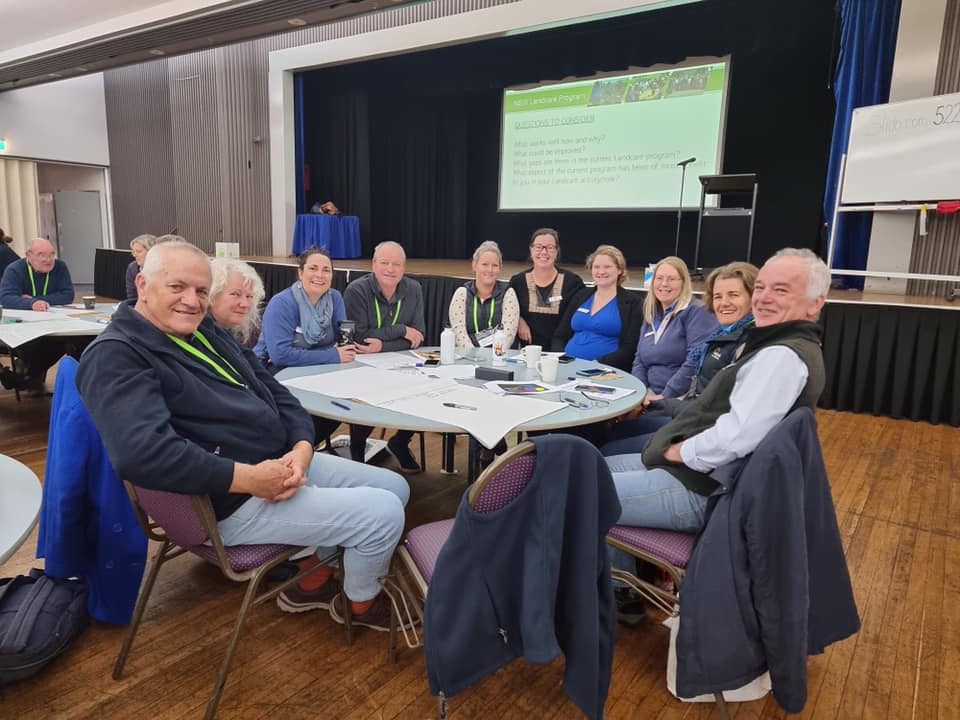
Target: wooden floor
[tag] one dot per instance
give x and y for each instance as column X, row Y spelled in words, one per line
column 898, row 504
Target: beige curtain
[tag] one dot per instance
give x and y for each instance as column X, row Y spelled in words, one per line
column 18, row 201
column 938, row 252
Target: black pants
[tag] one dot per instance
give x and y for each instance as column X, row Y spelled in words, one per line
column 41, row 354
column 360, row 433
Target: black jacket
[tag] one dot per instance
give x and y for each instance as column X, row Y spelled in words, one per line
column 767, row 581
column 630, row 307
column 531, row 579
column 170, row 422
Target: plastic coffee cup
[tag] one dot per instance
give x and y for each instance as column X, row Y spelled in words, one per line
column 89, row 302
column 531, row 355
column 548, row 366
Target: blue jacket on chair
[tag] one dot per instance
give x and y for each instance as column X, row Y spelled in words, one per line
column 531, row 578
column 87, row 525
column 767, row 581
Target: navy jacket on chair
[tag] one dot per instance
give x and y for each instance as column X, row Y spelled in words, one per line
column 767, row 582
column 87, row 525
column 530, row 579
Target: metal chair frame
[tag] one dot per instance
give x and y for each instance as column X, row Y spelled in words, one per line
column 253, row 577
column 668, row 602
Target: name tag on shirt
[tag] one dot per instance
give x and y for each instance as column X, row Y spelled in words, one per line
column 555, row 298
column 485, row 337
column 584, row 310
column 298, row 329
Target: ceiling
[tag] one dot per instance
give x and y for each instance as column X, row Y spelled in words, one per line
column 45, row 40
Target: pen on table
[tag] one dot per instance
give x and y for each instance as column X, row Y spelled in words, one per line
column 340, row 405
column 459, row 407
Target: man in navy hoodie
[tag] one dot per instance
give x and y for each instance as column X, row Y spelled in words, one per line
column 181, row 407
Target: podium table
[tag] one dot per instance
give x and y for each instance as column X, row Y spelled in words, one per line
column 338, row 234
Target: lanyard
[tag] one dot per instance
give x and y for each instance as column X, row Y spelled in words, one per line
column 376, row 305
column 476, row 325
column 199, row 354
column 33, row 285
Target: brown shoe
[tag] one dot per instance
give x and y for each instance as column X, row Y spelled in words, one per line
column 296, row 600
column 377, row 616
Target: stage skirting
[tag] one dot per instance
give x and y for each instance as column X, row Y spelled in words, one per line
column 339, row 234
column 901, row 362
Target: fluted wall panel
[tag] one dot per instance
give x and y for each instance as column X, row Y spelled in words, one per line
column 938, row 252
column 18, row 201
column 141, row 156
column 183, row 133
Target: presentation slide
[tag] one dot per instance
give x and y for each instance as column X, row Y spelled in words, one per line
column 613, row 143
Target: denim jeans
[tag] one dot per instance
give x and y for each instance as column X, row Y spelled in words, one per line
column 356, row 506
column 652, row 498
column 630, row 436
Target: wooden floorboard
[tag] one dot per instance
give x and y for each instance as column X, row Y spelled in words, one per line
column 897, row 499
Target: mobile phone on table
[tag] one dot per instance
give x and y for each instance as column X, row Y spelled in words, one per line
column 566, row 358
column 590, row 372
column 431, row 362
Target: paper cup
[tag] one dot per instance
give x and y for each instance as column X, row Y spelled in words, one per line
column 89, row 302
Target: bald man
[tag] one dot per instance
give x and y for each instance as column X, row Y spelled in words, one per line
column 37, row 282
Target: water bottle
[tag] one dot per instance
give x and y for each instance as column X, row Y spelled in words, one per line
column 447, row 354
column 499, row 346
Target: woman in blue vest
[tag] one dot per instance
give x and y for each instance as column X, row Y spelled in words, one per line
column 484, row 303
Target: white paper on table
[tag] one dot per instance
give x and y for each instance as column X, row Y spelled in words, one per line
column 342, row 383
column 389, row 360
column 31, row 315
column 615, row 393
column 491, row 418
column 16, row 334
column 448, row 372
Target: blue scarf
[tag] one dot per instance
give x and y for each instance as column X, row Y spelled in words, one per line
column 315, row 320
column 700, row 351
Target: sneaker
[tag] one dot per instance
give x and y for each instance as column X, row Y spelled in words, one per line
column 631, row 607
column 377, row 616
column 401, row 452
column 296, row 600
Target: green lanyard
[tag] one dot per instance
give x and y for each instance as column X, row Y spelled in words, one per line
column 376, row 305
column 33, row 285
column 476, row 325
column 206, row 358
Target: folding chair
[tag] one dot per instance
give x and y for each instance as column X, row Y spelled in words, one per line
column 186, row 523
column 497, row 485
column 666, row 550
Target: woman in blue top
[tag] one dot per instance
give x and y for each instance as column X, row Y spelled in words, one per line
column 300, row 324
column 602, row 323
column 673, row 327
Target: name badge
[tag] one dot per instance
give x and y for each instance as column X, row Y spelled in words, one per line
column 555, row 298
column 485, row 337
column 298, row 329
column 584, row 310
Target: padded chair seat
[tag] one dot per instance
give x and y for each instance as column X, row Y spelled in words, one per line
column 242, row 557
column 424, row 544
column 674, row 547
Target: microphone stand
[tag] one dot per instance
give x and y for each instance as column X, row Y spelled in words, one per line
column 676, row 245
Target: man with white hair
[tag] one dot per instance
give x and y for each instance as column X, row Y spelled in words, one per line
column 779, row 367
column 388, row 310
column 181, row 407
column 37, row 282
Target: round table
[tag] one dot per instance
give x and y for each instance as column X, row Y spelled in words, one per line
column 20, row 497
column 363, row 414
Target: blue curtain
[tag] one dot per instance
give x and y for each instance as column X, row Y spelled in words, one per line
column 868, row 35
column 298, row 139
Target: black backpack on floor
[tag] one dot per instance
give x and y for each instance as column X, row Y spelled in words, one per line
column 39, row 616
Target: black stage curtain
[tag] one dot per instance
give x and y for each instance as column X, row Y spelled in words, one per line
column 109, row 272
column 901, row 362
column 431, row 123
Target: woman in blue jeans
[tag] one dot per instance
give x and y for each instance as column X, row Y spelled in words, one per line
column 727, row 297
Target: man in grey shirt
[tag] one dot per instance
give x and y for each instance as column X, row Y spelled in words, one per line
column 388, row 311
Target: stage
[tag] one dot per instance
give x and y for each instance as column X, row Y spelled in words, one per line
column 884, row 354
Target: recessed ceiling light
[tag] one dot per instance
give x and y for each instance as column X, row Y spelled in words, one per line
column 156, row 51
column 297, row 22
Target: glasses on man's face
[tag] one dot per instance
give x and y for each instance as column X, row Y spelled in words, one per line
column 543, row 248
column 43, row 256
column 660, row 280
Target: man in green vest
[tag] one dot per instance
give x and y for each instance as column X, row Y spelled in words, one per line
column 779, row 367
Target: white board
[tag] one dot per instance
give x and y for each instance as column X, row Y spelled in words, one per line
column 904, row 152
